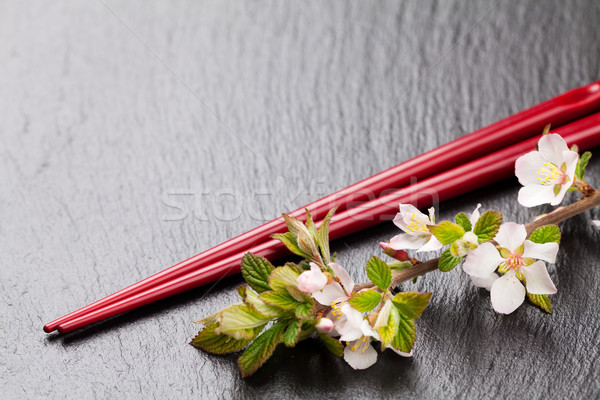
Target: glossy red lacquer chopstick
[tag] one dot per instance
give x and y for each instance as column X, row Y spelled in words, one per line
column 564, row 108
column 473, row 175
column 567, row 107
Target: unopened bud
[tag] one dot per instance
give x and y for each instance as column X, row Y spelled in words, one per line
column 325, row 325
column 399, row 255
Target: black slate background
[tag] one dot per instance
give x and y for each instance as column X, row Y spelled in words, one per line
column 235, row 111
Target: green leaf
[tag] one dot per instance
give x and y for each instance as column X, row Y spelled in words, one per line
column 411, row 304
column 582, row 164
column 379, row 273
column 332, row 344
column 215, row 343
column 292, row 332
column 256, row 271
column 239, row 322
column 310, row 225
column 448, row 261
column 282, row 278
column 546, row 234
column 463, row 221
column 323, row 236
column 446, row 232
column 304, row 310
column 487, row 225
column 282, row 299
column 406, row 336
column 259, row 351
column 289, row 240
column 541, row 300
column 252, row 299
column 365, row 300
column 389, row 330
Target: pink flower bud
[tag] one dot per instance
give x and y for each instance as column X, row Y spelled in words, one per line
column 313, row 280
column 325, row 325
column 399, row 255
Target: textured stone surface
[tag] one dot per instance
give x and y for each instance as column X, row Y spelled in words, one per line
column 253, row 108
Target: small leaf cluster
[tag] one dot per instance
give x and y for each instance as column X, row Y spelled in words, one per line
column 394, row 315
column 462, row 236
column 271, row 296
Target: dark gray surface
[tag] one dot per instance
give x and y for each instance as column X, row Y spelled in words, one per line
column 106, row 110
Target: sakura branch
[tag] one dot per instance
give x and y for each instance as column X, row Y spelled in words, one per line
column 317, row 297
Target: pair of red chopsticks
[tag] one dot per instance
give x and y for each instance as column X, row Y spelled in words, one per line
column 471, row 162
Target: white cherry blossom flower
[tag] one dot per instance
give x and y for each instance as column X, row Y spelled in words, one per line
column 596, row 223
column 516, row 260
column 313, row 280
column 354, row 329
column 546, row 174
column 417, row 236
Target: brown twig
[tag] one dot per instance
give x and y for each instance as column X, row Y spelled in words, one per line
column 553, row 218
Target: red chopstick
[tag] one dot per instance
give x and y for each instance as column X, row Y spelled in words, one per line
column 567, row 107
column 473, row 175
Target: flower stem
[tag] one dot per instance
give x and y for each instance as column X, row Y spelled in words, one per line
column 560, row 214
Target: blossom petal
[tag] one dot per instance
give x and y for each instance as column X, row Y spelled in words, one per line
column 432, row 244
column 537, row 279
column 344, row 277
column 507, row 293
column 405, row 241
column 596, row 223
column 541, row 251
column 361, row 358
column 350, row 325
column 408, row 211
column 527, row 167
column 482, row 261
column 511, row 235
column 571, row 159
column 532, row 195
column 329, row 294
column 484, row 282
column 552, row 146
column 475, row 215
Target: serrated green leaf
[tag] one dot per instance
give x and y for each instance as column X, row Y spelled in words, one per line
column 282, row 278
column 463, row 221
column 448, row 261
column 379, row 273
column 289, row 241
column 256, row 271
column 541, row 300
column 546, row 234
column 406, row 336
column 389, row 330
column 292, row 332
column 323, row 236
column 365, row 300
column 310, row 225
column 303, row 310
column 411, row 304
column 332, row 344
column 487, row 225
column 214, row 343
column 582, row 164
column 282, row 299
column 446, row 232
column 252, row 299
column 259, row 351
column 239, row 322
